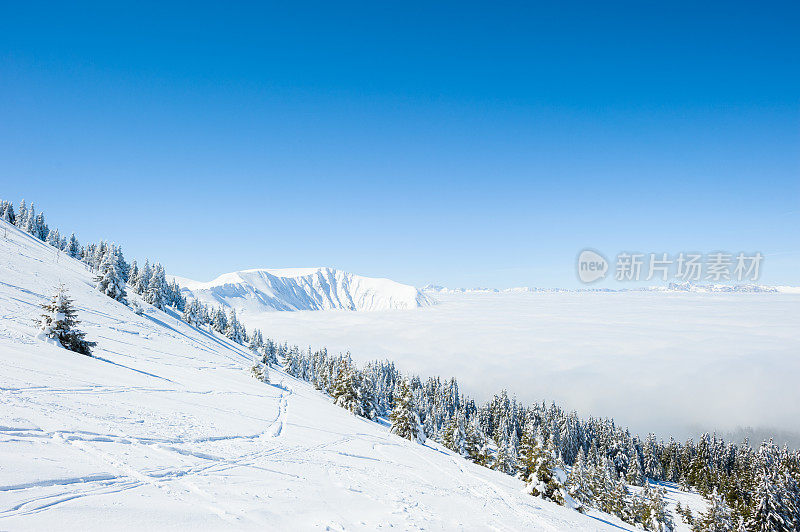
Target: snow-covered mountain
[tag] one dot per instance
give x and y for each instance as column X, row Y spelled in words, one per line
column 261, row 290
column 163, row 428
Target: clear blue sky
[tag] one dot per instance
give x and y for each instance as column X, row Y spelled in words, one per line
column 463, row 144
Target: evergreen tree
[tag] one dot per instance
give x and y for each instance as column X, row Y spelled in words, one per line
column 156, row 287
column 546, row 480
column 109, row 280
column 143, row 279
column 8, row 212
column 22, row 216
column 345, row 390
column 770, row 513
column 484, row 455
column 53, row 238
column 366, row 395
column 472, row 440
column 133, row 273
column 505, row 460
column 259, row 371
column 234, row 330
column 30, row 221
column 634, row 475
column 405, row 421
column 73, row 247
column 40, row 229
column 579, row 484
column 454, row 436
column 718, row 518
column 59, row 323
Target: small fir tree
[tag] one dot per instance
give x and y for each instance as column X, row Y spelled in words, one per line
column 59, row 322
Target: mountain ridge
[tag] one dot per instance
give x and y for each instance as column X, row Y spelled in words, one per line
column 292, row 289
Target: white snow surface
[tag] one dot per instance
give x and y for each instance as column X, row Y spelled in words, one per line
column 164, row 429
column 263, row 290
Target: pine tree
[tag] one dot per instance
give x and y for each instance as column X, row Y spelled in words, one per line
column 366, row 395
column 718, row 517
column 22, row 216
column 259, row 371
column 405, row 422
column 53, row 238
column 40, row 229
column 234, row 330
column 579, row 484
column 155, row 287
column 344, row 390
column 505, row 460
column 8, row 212
column 484, row 455
column 143, row 279
column 109, row 280
column 770, row 513
column 73, row 247
column 472, row 440
column 59, row 321
column 454, row 437
column 634, row 474
column 546, row 480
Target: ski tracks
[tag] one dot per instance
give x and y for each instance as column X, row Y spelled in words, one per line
column 177, row 483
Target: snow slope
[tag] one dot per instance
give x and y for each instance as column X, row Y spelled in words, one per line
column 164, row 429
column 255, row 291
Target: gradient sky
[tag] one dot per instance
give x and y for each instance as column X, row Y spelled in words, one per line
column 464, row 144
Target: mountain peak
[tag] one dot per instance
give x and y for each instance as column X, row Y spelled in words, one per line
column 323, row 288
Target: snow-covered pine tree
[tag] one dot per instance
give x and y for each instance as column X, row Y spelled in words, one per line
column 73, row 247
column 505, row 460
column 770, row 513
column 717, row 518
column 259, row 371
column 579, row 484
column 454, row 436
column 256, row 341
column 366, row 396
column 109, row 280
column 156, row 287
column 234, row 331
column 344, row 390
column 546, row 479
column 405, row 422
column 30, row 220
column 634, row 474
column 59, row 323
column 143, row 279
column 8, row 212
column 472, row 439
column 133, row 273
column 40, row 229
column 22, row 216
column 53, row 238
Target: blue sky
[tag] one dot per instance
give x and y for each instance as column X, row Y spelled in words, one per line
column 464, row 144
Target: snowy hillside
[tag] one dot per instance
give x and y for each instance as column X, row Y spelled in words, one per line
column 164, row 429
column 255, row 291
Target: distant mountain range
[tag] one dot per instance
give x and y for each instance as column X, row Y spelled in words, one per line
column 264, row 290
column 671, row 287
